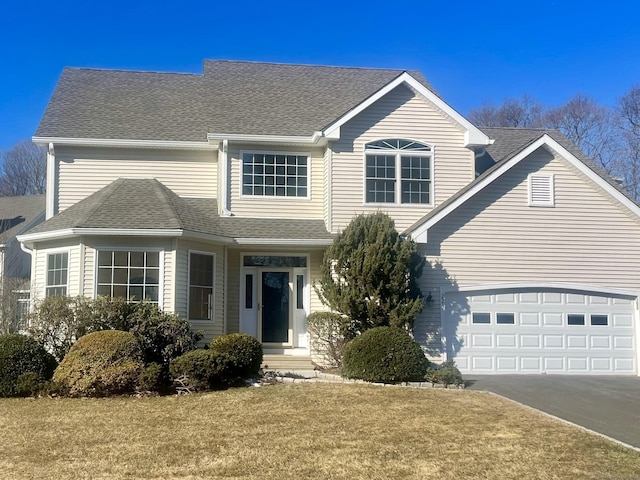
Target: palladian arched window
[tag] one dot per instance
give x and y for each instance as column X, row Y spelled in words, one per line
column 398, row 171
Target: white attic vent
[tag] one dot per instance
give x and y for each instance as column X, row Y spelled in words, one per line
column 541, row 190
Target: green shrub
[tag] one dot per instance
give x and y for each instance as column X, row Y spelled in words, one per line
column 384, row 354
column 203, row 369
column 29, row 384
column 102, row 363
column 155, row 378
column 162, row 336
column 20, row 354
column 58, row 321
column 446, row 374
column 328, row 337
column 243, row 351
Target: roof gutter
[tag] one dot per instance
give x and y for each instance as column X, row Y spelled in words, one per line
column 123, row 143
column 314, row 139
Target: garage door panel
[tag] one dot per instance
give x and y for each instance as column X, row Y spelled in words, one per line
column 505, row 363
column 622, row 320
column 482, row 340
column 529, row 319
column 553, row 341
column 576, row 341
column 578, row 364
column 623, row 343
column 553, row 319
column 506, row 340
column 547, row 332
column 530, row 341
column 600, row 341
column 530, row 364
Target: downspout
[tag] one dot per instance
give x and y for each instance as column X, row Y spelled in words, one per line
column 224, row 183
column 51, row 174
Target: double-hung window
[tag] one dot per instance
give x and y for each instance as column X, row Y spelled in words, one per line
column 275, row 175
column 398, row 171
column 134, row 275
column 201, row 285
column 57, row 273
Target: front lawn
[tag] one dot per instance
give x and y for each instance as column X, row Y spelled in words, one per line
column 306, row 431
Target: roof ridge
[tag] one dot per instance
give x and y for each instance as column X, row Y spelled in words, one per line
column 311, row 65
column 103, row 194
column 165, row 191
column 124, row 70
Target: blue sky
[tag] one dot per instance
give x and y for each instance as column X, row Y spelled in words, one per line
column 472, row 52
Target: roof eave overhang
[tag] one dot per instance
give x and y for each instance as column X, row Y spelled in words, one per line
column 473, row 136
column 419, row 230
column 124, row 143
column 31, row 238
column 316, row 138
column 285, row 242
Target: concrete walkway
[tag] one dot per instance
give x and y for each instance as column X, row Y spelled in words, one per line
column 609, row 405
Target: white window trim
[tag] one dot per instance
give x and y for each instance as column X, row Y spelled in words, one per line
column 161, row 278
column 212, row 307
column 398, row 177
column 539, row 177
column 271, row 152
column 46, row 268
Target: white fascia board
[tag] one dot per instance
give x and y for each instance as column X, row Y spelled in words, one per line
column 72, row 232
column 124, row 143
column 421, row 231
column 472, row 135
column 279, row 139
column 578, row 287
column 285, row 242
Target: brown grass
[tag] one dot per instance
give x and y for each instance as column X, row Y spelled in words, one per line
column 299, row 431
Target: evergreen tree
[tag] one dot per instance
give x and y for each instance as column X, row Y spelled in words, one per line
column 370, row 274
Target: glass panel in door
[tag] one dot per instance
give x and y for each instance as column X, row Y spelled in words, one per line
column 275, row 307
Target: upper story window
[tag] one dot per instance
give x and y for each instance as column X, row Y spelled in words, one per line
column 275, row 175
column 398, row 171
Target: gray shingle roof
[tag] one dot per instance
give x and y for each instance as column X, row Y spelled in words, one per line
column 230, row 97
column 16, row 213
column 508, row 143
column 148, row 204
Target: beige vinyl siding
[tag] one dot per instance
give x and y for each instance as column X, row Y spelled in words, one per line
column 314, row 272
column 82, row 172
column 497, row 237
column 277, row 207
column 211, row 328
column 400, row 114
column 39, row 258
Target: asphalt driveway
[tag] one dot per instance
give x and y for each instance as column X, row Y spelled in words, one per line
column 609, row 405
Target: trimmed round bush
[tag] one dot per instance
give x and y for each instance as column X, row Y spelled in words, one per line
column 155, row 378
column 100, row 364
column 243, row 351
column 20, row 354
column 384, row 354
column 203, row 369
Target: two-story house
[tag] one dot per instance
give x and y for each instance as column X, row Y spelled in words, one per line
column 215, row 195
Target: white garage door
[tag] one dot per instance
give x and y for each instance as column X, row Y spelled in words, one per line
column 530, row 331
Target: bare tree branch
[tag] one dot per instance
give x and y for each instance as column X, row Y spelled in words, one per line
column 23, row 170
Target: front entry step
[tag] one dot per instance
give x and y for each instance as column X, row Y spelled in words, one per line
column 272, row 361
